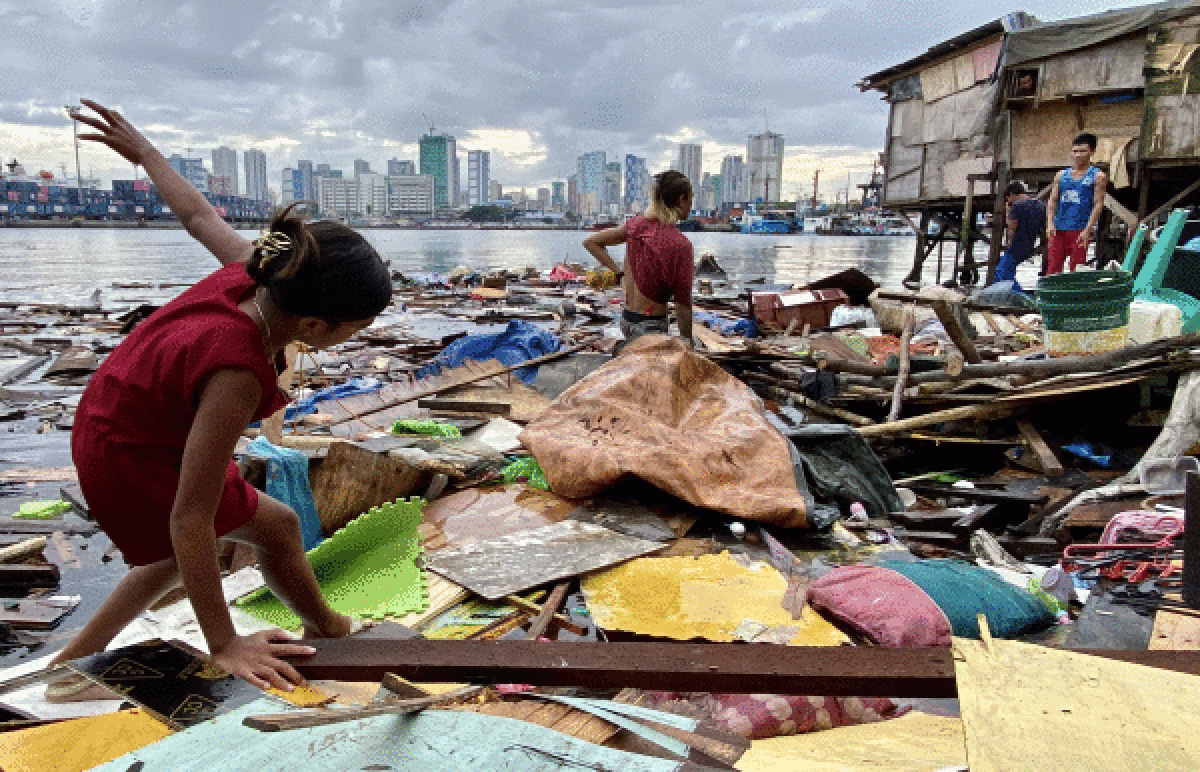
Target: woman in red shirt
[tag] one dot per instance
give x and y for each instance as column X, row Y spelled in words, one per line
column 155, row 430
column 658, row 258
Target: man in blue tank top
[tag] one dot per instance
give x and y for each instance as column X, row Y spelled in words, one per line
column 1076, row 201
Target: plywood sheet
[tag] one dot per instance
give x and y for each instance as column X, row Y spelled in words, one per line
column 939, row 120
column 1172, row 124
column 908, row 120
column 79, row 744
column 351, row 479
column 1042, row 136
column 685, row 598
column 917, row 742
column 519, row 561
column 560, row 718
column 954, row 175
column 1102, row 68
column 481, row 514
column 1176, row 632
column 937, row 155
column 1115, row 714
column 527, row 404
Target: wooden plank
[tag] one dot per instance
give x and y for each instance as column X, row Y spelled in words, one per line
column 465, row 406
column 548, row 611
column 1050, row 464
column 559, row 620
column 718, row 667
column 280, row 722
column 23, row 549
column 36, row 613
column 989, row 495
column 27, row 575
column 945, row 314
column 905, row 365
column 560, row 718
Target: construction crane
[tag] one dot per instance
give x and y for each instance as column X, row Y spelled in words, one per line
column 431, row 126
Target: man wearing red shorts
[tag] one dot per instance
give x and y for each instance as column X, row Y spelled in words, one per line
column 1076, row 201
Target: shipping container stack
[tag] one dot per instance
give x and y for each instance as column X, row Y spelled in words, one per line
column 128, row 200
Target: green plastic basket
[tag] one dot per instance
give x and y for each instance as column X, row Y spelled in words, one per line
column 1087, row 301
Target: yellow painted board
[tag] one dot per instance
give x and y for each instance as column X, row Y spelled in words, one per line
column 1034, row 708
column 713, row 597
column 916, row 742
column 1178, row 632
column 79, row 744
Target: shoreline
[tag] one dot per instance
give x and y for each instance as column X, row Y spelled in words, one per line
column 255, row 225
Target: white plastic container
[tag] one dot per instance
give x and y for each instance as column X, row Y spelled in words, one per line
column 1167, row 475
column 1153, row 321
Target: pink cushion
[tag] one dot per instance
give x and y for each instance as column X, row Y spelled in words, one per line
column 882, row 605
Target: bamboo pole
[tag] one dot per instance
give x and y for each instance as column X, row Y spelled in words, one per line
column 910, row 322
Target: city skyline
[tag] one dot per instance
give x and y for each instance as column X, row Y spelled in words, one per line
column 328, row 82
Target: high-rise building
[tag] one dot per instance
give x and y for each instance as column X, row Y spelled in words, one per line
column 612, row 188
column 733, row 181
column 543, row 197
column 308, row 182
column 458, row 180
column 764, row 167
column 637, row 183
column 224, row 162
column 220, row 186
column 292, row 187
column 410, row 194
column 590, row 174
column 337, row 197
column 691, row 164
column 192, row 170
column 558, row 196
column 439, row 159
column 323, row 170
column 372, row 194
column 573, row 193
column 361, row 167
column 479, row 177
column 495, row 190
column 256, row 175
column 712, row 191
column 397, row 167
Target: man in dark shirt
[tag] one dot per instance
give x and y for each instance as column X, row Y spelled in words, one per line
column 1026, row 222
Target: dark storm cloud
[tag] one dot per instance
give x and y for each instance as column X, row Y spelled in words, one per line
column 334, row 81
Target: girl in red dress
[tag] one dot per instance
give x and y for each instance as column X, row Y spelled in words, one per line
column 155, row 430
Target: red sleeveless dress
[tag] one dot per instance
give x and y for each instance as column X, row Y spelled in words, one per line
column 136, row 412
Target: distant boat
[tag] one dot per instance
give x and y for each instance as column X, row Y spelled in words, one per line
column 757, row 224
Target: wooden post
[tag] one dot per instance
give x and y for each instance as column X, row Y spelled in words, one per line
column 1191, row 542
column 542, row 621
column 905, row 365
column 999, row 218
column 945, row 315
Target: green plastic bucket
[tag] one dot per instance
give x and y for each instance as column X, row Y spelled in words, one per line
column 1085, row 312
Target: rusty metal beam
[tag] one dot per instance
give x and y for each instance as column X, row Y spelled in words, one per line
column 850, row 671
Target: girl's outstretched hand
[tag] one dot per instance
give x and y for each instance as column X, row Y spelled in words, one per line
column 114, row 131
column 256, row 658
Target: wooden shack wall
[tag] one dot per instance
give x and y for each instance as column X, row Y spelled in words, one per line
column 1109, row 67
column 1171, row 127
column 940, row 134
column 1041, row 136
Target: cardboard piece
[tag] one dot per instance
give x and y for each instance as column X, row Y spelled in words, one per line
column 79, row 744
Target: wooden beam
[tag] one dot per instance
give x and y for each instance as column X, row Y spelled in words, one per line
column 560, row 620
column 306, row 719
column 1115, row 206
column 846, row 671
column 1051, row 466
column 1170, row 203
column 905, row 365
column 945, row 314
column 465, row 406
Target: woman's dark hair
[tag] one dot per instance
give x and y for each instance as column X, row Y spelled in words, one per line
column 320, row 269
column 669, row 189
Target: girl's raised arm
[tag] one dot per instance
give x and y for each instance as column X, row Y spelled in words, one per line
column 188, row 204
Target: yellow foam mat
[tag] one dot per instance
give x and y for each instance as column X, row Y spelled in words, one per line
column 689, row 597
column 79, row 744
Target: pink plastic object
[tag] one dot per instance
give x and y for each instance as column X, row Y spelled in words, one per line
column 1156, row 523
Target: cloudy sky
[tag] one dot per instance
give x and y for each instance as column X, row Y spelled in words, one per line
column 535, row 83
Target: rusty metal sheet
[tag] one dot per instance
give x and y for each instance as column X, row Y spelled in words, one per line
column 519, row 561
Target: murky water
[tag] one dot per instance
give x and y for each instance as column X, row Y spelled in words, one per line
column 66, row 265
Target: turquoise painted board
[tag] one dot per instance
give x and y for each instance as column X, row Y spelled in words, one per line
column 1135, row 249
column 366, row 569
column 433, row 741
column 1148, row 284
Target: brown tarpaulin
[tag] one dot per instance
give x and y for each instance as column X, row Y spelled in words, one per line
column 665, row 414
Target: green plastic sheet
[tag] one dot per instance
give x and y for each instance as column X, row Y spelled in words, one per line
column 41, row 510
column 367, row 569
column 425, row 426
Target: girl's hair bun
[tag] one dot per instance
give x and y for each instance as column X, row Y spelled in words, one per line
column 282, row 249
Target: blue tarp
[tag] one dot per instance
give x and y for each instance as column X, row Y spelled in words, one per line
column 745, row 327
column 350, row 388
column 520, row 342
column 287, row 481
